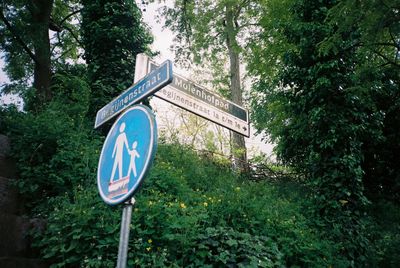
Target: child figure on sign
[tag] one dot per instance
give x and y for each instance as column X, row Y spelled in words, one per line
column 133, row 153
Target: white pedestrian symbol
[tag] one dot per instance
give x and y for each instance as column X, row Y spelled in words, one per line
column 119, row 185
column 118, row 153
column 121, row 143
column 132, row 165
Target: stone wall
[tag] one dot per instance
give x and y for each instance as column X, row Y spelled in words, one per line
column 15, row 251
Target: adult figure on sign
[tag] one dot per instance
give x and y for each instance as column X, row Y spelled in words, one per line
column 118, row 153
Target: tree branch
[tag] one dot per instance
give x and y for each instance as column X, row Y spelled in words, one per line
column 73, row 35
column 215, row 36
column 387, row 59
column 239, row 9
column 65, row 52
column 70, row 15
column 249, row 24
column 186, row 24
column 387, row 44
column 59, row 27
column 18, row 38
column 396, row 41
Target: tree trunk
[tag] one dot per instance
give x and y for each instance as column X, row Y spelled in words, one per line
column 41, row 11
column 238, row 146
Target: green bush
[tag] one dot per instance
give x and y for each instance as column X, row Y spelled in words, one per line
column 54, row 148
column 192, row 210
column 227, row 247
column 384, row 231
column 81, row 231
column 185, row 218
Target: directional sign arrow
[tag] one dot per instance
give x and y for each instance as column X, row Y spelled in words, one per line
column 148, row 85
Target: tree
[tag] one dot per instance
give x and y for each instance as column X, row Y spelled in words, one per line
column 313, row 104
column 27, row 45
column 212, row 31
column 377, row 24
column 112, row 36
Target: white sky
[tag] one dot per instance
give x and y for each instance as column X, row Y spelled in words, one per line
column 163, row 40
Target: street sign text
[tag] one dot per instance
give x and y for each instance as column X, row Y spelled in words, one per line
column 148, row 85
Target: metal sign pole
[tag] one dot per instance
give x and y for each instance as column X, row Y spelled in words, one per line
column 126, row 145
column 124, row 234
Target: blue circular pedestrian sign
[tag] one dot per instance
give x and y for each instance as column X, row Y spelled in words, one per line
column 127, row 154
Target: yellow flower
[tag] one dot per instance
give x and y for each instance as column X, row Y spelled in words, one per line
column 182, row 205
column 148, row 249
column 150, row 241
column 205, row 204
column 237, row 189
column 150, row 203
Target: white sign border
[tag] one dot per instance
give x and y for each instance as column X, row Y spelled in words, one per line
column 148, row 161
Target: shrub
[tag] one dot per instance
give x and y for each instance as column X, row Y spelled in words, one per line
column 54, row 148
column 183, row 218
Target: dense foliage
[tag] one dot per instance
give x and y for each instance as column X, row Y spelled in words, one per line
column 55, row 148
column 192, row 211
column 326, row 91
column 329, row 102
column 112, row 35
column 37, row 37
column 182, row 218
column 378, row 79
